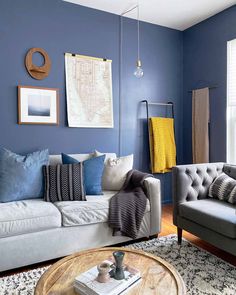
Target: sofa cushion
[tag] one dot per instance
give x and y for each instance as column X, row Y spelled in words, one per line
column 115, row 171
column 27, row 216
column 93, row 170
column 64, row 183
column 95, row 210
column 230, row 170
column 223, row 188
column 56, row 159
column 214, row 214
column 21, row 177
column 107, row 155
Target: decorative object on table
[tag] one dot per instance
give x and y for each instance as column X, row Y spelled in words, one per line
column 37, row 72
column 38, row 105
column 21, row 177
column 138, row 72
column 89, row 91
column 118, row 272
column 103, row 272
column 89, row 283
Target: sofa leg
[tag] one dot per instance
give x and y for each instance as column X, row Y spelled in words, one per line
column 153, row 237
column 179, row 232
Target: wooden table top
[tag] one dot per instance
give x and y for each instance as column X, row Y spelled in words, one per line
column 158, row 276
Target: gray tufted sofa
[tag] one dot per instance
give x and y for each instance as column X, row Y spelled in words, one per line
column 210, row 219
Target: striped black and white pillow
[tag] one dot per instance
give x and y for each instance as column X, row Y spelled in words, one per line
column 223, row 188
column 64, row 183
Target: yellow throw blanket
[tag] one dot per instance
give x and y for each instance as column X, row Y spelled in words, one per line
column 162, row 144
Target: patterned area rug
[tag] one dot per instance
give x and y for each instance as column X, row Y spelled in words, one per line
column 202, row 272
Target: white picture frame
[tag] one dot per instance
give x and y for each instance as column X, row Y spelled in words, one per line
column 38, row 105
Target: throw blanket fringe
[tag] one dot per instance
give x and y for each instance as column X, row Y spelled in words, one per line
column 128, row 206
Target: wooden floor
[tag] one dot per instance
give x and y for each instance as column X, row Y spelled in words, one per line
column 167, row 228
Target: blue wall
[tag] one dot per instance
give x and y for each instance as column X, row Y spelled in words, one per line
column 205, row 64
column 60, row 27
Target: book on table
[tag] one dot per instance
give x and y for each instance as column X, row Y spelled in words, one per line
column 86, row 283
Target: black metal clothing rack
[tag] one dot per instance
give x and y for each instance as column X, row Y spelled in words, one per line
column 168, row 104
column 210, row 87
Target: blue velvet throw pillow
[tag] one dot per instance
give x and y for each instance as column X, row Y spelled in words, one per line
column 21, row 177
column 93, row 170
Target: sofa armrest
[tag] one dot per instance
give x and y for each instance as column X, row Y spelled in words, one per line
column 192, row 182
column 153, row 187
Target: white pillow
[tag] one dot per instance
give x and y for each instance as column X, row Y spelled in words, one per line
column 107, row 155
column 114, row 173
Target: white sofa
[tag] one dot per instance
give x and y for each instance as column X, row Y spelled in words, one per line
column 33, row 231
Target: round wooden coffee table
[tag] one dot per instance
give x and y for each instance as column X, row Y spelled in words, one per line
column 158, row 276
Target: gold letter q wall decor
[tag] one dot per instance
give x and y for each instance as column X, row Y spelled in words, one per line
column 36, row 72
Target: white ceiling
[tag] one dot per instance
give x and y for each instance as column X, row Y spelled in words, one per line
column 176, row 14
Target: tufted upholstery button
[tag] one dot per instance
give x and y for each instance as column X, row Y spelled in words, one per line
column 205, row 181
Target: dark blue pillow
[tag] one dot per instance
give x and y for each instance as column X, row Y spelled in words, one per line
column 21, row 177
column 93, row 170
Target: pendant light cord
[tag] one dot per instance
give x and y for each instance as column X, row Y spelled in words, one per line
column 121, row 70
column 120, row 83
column 138, row 29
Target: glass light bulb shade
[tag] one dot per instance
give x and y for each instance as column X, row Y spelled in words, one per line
column 138, row 72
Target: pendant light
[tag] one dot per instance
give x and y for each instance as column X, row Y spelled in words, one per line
column 138, row 72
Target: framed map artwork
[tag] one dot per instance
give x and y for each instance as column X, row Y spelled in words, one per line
column 89, row 91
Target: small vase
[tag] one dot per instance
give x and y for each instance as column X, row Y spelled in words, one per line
column 118, row 273
column 103, row 272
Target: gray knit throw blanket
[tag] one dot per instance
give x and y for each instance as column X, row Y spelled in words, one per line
column 127, row 207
